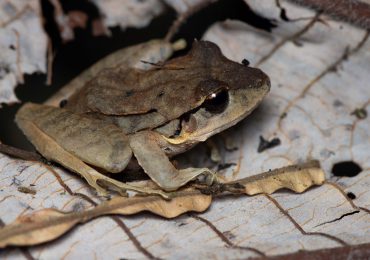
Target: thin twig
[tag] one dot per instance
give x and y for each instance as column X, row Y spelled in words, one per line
column 351, row 11
column 184, row 16
column 18, row 62
column 289, row 38
column 50, row 59
column 19, row 153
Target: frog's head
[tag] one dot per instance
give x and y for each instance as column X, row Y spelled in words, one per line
column 229, row 93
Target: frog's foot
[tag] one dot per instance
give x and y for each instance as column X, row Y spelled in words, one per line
column 179, row 178
column 210, row 178
column 159, row 168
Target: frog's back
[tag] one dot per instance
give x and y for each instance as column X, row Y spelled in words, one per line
column 136, row 99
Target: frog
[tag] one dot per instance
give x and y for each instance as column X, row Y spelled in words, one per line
column 144, row 113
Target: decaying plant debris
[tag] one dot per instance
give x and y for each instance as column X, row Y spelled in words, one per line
column 48, row 224
column 331, row 136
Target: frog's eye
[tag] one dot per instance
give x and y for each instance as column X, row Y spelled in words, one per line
column 217, row 102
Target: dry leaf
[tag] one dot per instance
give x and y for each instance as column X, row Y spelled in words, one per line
column 253, row 215
column 297, row 178
column 130, row 13
column 319, row 124
column 48, row 224
column 41, row 226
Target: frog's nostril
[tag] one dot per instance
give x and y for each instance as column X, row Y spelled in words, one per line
column 259, row 82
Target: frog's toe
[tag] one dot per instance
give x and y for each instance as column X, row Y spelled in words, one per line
column 184, row 176
column 210, row 178
column 101, row 191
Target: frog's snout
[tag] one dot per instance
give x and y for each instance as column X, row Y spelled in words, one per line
column 264, row 82
column 257, row 79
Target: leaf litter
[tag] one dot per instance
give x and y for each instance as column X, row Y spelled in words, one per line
column 48, row 224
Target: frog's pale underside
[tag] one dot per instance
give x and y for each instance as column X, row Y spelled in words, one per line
column 149, row 114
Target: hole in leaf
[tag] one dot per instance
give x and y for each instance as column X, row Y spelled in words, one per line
column 351, row 195
column 346, row 169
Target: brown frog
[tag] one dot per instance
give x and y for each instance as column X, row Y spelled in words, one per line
column 152, row 113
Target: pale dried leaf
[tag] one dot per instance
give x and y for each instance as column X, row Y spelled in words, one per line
column 128, row 13
column 23, row 45
column 309, row 107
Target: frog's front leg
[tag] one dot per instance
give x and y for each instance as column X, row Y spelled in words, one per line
column 156, row 164
column 76, row 142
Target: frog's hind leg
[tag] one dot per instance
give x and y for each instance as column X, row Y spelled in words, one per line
column 156, row 164
column 72, row 140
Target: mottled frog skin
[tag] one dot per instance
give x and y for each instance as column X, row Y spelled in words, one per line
column 152, row 113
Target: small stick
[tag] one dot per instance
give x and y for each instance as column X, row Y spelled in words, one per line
column 50, row 59
column 19, row 153
column 184, row 16
column 351, row 11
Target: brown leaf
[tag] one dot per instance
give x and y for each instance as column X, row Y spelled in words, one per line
column 41, row 226
column 48, row 224
column 297, row 178
column 182, row 202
